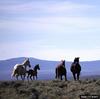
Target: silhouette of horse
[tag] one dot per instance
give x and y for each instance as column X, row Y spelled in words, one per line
column 33, row 72
column 76, row 68
column 20, row 69
column 61, row 70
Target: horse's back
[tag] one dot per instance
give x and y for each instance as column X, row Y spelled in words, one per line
column 17, row 65
column 30, row 71
column 19, row 69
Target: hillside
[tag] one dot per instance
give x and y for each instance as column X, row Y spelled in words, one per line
column 47, row 68
column 6, row 67
column 52, row 89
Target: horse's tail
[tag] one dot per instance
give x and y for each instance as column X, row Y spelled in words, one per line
column 71, row 68
column 13, row 73
column 56, row 71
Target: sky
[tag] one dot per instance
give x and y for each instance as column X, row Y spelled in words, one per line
column 50, row 29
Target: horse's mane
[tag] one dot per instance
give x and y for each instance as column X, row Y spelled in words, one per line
column 24, row 61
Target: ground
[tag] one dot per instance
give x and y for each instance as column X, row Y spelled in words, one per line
column 51, row 89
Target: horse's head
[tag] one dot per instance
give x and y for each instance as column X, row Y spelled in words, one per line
column 37, row 67
column 27, row 62
column 76, row 60
column 63, row 63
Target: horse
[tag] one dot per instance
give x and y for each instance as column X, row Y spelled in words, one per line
column 61, row 70
column 33, row 72
column 20, row 69
column 76, row 68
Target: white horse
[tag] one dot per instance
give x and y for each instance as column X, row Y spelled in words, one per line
column 20, row 69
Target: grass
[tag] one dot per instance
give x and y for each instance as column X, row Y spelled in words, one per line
column 53, row 89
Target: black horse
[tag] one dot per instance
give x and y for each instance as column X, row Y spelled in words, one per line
column 76, row 68
column 33, row 72
column 61, row 70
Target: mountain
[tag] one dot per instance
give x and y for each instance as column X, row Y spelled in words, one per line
column 47, row 68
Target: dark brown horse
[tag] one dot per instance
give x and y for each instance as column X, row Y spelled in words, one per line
column 76, row 68
column 61, row 70
column 33, row 72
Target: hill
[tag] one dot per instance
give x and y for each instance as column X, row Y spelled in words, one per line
column 47, row 68
column 51, row 89
column 6, row 67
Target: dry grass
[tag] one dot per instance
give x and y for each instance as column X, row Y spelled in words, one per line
column 53, row 89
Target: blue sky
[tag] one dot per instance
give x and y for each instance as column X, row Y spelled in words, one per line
column 50, row 29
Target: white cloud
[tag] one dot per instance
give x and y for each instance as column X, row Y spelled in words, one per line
column 46, row 6
column 67, row 6
column 29, row 49
column 70, row 24
column 49, row 23
column 69, row 54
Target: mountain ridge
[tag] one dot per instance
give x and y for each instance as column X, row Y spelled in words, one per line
column 47, row 67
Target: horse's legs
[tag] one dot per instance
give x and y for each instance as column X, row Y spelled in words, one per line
column 28, row 77
column 65, row 77
column 21, row 77
column 56, row 74
column 17, row 77
column 61, row 77
column 78, row 74
column 74, row 76
column 31, row 77
column 36, row 77
column 24, row 76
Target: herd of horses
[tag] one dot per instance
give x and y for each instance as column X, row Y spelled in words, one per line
column 60, row 70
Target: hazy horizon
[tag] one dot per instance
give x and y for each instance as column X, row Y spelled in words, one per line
column 47, row 59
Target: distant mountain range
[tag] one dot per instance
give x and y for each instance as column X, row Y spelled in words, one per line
column 47, row 68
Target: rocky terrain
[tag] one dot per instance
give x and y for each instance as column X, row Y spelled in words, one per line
column 51, row 89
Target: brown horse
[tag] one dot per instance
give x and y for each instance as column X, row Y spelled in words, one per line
column 76, row 68
column 33, row 72
column 61, row 70
column 20, row 69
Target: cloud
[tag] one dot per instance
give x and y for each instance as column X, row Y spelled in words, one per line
column 67, row 6
column 47, row 24
column 68, row 54
column 49, row 30
column 46, row 8
column 43, row 16
column 29, row 49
